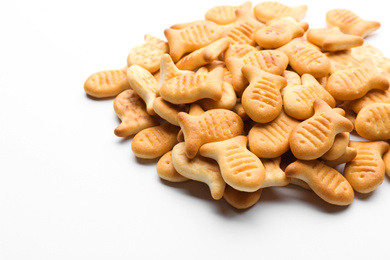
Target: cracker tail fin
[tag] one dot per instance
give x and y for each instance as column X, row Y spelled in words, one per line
column 299, row 12
column 175, row 46
column 213, row 83
column 190, row 132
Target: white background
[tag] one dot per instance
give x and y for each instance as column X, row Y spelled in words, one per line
column 71, row 189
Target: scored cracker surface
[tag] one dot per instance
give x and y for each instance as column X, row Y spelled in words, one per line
column 351, row 23
column 189, row 88
column 226, row 14
column 239, row 50
column 270, row 140
column 340, row 60
column 369, row 51
column 191, row 38
column 242, row 30
column 240, row 168
column 373, row 122
column 326, row 182
column 332, row 39
column 262, row 100
column 213, row 125
column 304, row 57
column 354, row 83
column 174, row 78
column 279, row 31
column 367, row 170
column 107, row 83
column 373, row 96
column 269, row 10
column 312, row 138
column 168, row 70
column 271, row 61
column 298, row 100
column 204, row 55
column 386, row 160
column 154, row 142
column 131, row 110
column 148, row 54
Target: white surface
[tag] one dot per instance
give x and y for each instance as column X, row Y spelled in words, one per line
column 71, row 189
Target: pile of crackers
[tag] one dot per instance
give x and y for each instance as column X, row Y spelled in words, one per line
column 250, row 97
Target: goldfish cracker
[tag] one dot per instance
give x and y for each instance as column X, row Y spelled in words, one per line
column 146, row 86
column 354, row 83
column 312, row 138
column 191, row 37
column 240, row 168
column 226, row 14
column 107, row 83
column 155, row 141
column 268, row 10
column 167, row 171
column 279, row 31
column 262, row 100
column 367, row 170
column 211, row 126
column 241, row 199
column 270, row 140
column 351, row 23
column 148, row 54
column 326, row 182
column 199, row 169
column 131, row 110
